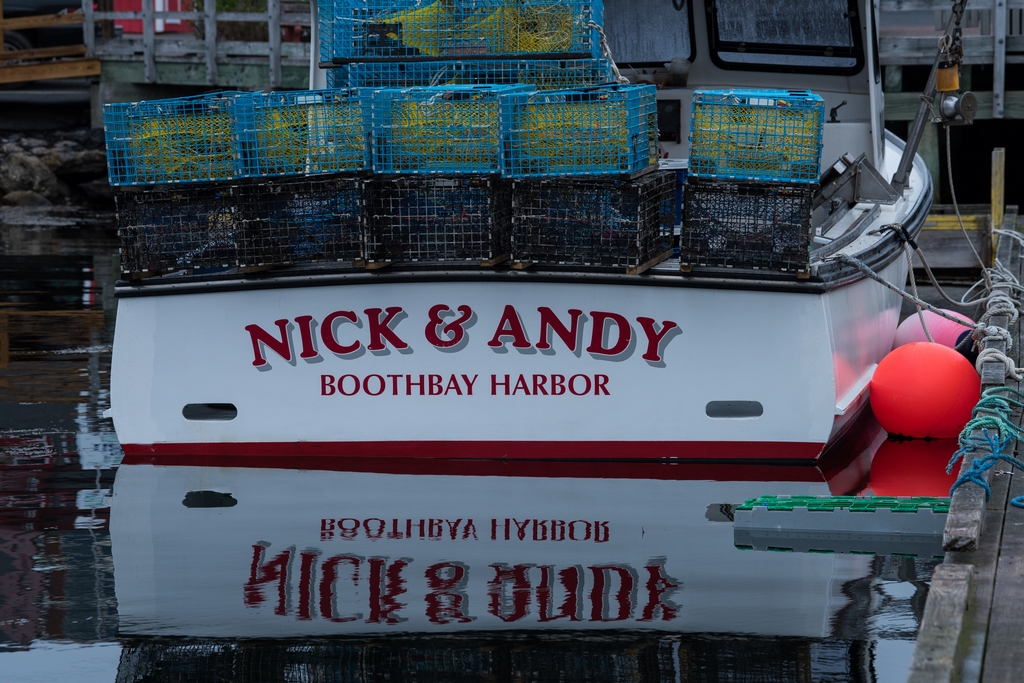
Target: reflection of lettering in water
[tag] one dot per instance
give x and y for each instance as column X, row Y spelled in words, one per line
column 433, row 529
column 348, row 588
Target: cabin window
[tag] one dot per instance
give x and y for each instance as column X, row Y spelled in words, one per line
column 649, row 33
column 802, row 36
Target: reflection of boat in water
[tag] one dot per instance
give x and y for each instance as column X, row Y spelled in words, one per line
column 552, row 362
column 238, row 553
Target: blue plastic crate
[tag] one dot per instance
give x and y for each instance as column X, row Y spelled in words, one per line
column 304, row 132
column 611, row 129
column 769, row 135
column 443, row 129
column 542, row 74
column 391, row 29
column 180, row 140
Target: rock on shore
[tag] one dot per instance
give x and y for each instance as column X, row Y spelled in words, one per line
column 56, row 167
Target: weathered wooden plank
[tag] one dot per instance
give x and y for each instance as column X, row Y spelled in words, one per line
column 88, row 28
column 148, row 37
column 984, row 561
column 69, row 68
column 43, row 53
column 937, row 5
column 938, row 643
column 274, row 41
column 1004, row 649
column 998, row 58
column 210, row 47
column 170, row 48
column 922, row 49
column 947, row 250
column 231, row 74
column 966, row 517
column 43, row 21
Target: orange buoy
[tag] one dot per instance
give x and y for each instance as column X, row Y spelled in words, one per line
column 924, row 390
column 913, row 468
column 944, row 331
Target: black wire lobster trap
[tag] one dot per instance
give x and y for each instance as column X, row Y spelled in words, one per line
column 181, row 227
column 240, row 225
column 304, row 220
column 755, row 226
column 584, row 222
column 438, row 218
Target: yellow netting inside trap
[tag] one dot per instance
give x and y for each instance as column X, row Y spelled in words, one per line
column 755, row 139
column 512, row 29
column 428, row 29
column 188, row 147
column 440, row 28
column 312, row 138
column 576, row 135
column 445, row 132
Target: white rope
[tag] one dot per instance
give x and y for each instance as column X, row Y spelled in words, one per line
column 913, row 288
column 607, row 52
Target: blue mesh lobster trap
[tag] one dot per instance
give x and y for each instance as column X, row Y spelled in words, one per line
column 440, row 29
column 609, row 129
column 417, row 219
column 180, row 140
column 593, row 222
column 303, row 132
column 542, row 74
column 325, row 30
column 770, row 135
column 443, row 129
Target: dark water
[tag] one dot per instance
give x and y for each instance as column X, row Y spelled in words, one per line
column 470, row 582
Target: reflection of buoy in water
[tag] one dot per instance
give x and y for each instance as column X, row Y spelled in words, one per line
column 944, row 331
column 913, row 468
column 924, row 390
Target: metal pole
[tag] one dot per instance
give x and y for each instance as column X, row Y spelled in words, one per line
column 923, row 118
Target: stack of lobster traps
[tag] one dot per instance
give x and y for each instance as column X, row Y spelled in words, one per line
column 536, row 165
column 753, row 171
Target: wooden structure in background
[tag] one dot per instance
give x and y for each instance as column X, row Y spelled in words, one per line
column 65, row 61
column 183, row 59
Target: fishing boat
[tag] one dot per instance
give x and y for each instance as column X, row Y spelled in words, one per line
column 688, row 360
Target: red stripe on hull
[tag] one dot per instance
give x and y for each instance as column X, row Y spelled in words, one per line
column 311, row 454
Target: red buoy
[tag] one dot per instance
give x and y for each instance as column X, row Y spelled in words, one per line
column 913, row 468
column 924, row 390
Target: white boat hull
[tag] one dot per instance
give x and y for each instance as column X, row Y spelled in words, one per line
column 796, row 355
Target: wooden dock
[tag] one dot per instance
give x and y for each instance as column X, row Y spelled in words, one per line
column 973, row 624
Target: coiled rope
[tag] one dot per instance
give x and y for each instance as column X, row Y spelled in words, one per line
column 981, row 330
column 993, row 412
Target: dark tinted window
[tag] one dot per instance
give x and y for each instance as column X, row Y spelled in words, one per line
column 648, row 31
column 786, row 35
